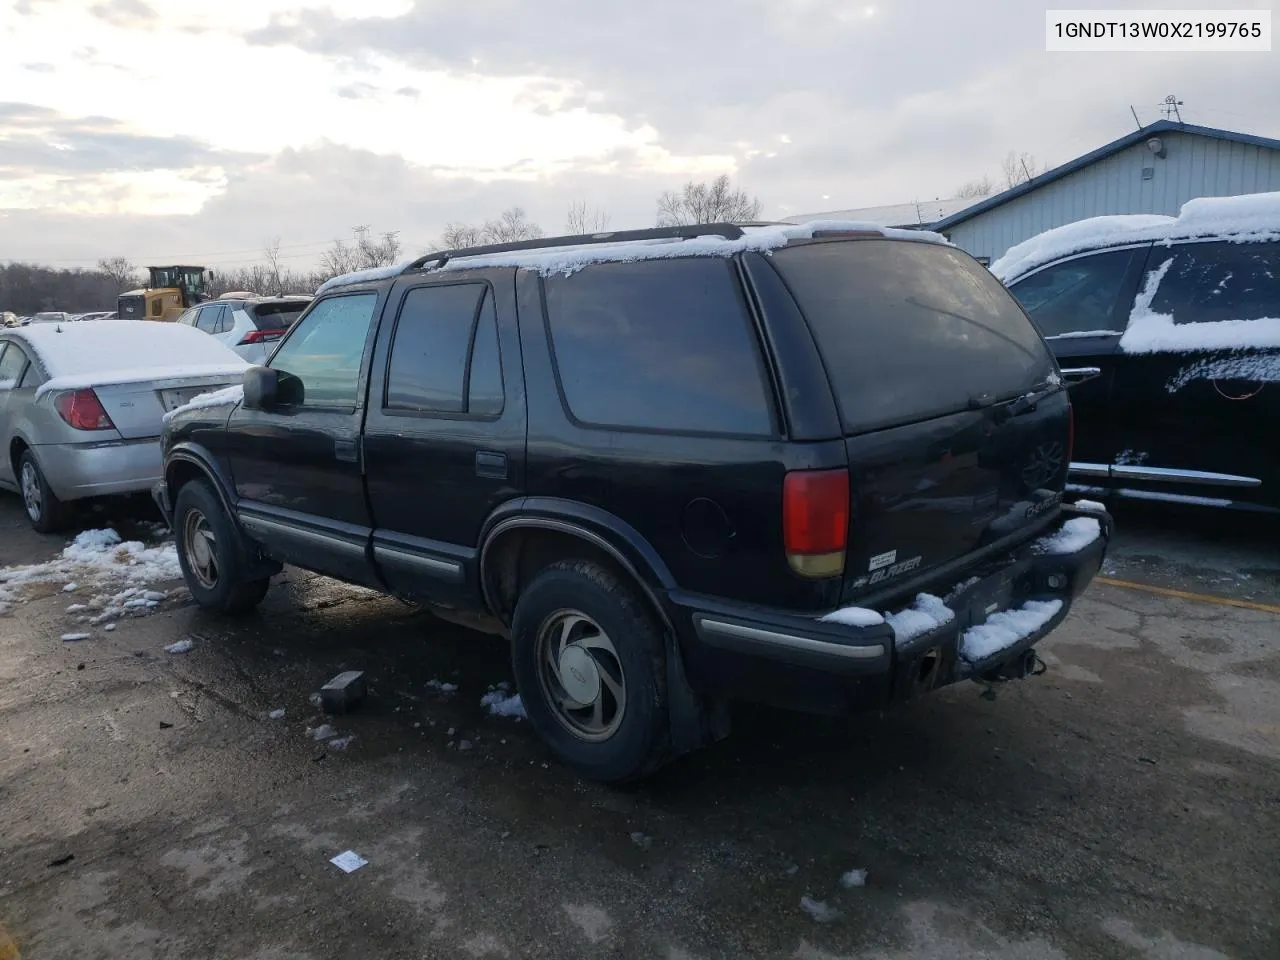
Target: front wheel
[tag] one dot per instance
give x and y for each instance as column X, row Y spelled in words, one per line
column 211, row 555
column 591, row 666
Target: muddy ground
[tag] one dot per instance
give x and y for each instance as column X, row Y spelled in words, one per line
column 1126, row 804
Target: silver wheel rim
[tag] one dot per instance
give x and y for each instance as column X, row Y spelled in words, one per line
column 581, row 675
column 31, row 496
column 200, row 546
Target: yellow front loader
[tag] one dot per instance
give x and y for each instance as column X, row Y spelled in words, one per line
column 169, row 291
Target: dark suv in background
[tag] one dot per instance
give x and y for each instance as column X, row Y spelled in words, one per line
column 814, row 466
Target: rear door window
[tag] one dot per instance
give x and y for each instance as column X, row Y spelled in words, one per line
column 1211, row 282
column 207, row 319
column 658, row 345
column 910, row 330
column 1078, row 298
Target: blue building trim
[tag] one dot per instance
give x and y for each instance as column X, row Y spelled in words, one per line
column 1115, row 146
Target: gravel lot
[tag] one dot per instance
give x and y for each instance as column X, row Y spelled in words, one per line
column 1126, row 804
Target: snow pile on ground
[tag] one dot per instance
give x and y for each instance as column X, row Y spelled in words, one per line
column 1003, row 630
column 1075, row 535
column 442, row 687
column 501, row 704
column 853, row 617
column 1151, row 332
column 1249, row 218
column 99, row 557
column 853, row 878
column 182, row 646
column 819, row 911
column 215, row 398
column 927, row 613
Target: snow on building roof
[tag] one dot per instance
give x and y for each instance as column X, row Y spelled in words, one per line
column 1244, row 218
column 923, row 213
column 570, row 258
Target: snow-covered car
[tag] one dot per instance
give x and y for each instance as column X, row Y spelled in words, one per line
column 1173, row 327
column 82, row 406
column 51, row 316
column 10, row 319
column 248, row 324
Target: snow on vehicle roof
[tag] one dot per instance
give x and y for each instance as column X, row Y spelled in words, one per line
column 77, row 355
column 1244, row 219
column 568, row 259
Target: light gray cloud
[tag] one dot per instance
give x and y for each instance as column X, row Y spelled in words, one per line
column 123, row 13
column 35, row 140
column 38, row 67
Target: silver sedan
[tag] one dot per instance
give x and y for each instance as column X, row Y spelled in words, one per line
column 82, row 406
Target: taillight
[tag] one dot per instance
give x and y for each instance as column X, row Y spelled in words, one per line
column 261, row 336
column 82, row 410
column 815, row 521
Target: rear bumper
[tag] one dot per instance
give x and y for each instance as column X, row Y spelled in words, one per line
column 794, row 660
column 78, row 470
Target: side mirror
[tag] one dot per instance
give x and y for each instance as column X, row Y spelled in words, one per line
column 261, row 387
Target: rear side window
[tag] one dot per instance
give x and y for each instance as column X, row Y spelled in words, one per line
column 1078, row 297
column 910, row 330
column 207, row 318
column 444, row 356
column 1208, row 282
column 658, row 345
column 12, row 363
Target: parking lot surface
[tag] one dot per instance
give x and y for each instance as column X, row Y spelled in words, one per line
column 155, row 804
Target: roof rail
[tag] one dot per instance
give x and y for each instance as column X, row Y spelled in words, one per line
column 729, row 231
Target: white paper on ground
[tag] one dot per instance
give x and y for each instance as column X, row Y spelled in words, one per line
column 349, row 862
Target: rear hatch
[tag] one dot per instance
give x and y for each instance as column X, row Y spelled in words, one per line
column 138, row 409
column 956, row 426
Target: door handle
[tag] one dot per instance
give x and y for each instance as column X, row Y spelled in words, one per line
column 489, row 464
column 1074, row 376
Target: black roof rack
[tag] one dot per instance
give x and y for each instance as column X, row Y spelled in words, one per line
column 729, row 231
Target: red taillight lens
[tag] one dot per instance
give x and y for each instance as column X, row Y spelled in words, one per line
column 815, row 521
column 83, row 410
column 261, row 336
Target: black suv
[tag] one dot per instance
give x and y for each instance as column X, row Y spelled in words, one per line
column 817, row 466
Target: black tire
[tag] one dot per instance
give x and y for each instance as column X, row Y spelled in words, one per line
column 639, row 742
column 222, row 588
column 46, row 512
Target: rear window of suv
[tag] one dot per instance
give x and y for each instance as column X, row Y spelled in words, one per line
column 277, row 316
column 658, row 345
column 910, row 330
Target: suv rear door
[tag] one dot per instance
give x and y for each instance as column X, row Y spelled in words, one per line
column 1195, row 397
column 444, row 439
column 956, row 433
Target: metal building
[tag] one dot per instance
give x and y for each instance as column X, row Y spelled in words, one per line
column 1153, row 170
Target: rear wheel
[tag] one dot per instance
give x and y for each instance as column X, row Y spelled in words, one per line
column 591, row 666
column 46, row 512
column 211, row 553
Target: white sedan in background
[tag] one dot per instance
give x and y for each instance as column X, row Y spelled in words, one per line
column 248, row 324
column 82, row 406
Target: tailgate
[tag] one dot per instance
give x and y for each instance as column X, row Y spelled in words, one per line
column 137, row 409
column 955, row 421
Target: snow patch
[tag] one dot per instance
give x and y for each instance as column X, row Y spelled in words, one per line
column 277, row 714
column 214, row 398
column 363, row 276
column 927, row 613
column 182, row 646
column 1005, row 629
column 1245, row 219
column 1254, row 368
column 853, row 617
column 442, row 687
column 1082, row 334
column 853, row 878
column 323, row 732
column 1090, row 506
column 69, row 637
column 499, row 704
column 819, row 911
column 1072, row 537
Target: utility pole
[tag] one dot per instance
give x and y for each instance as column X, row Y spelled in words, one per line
column 1170, row 106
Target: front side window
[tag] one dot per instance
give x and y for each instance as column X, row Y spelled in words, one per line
column 658, row 345
column 326, row 349
column 1210, row 282
column 1078, row 297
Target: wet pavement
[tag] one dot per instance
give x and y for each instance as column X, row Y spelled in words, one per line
column 1126, row 804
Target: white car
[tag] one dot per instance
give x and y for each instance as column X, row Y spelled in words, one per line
column 249, row 325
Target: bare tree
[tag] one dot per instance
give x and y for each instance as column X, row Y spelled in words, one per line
column 338, row 259
column 582, row 219
column 459, row 235
column 982, row 186
column 1018, row 168
column 370, row 253
column 511, row 226
column 271, row 250
column 714, row 202
column 121, row 271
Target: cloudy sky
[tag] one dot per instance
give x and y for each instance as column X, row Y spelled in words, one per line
column 167, row 130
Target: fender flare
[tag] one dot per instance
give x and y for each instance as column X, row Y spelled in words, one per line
column 187, row 452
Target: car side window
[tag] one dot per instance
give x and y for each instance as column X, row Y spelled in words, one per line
column 325, row 350
column 658, row 345
column 444, row 355
column 1209, row 282
column 207, row 318
column 1077, row 297
column 12, row 363
column 224, row 321
column 188, row 317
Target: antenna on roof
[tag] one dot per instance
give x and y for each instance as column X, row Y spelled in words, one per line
column 1135, row 117
column 1170, row 105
